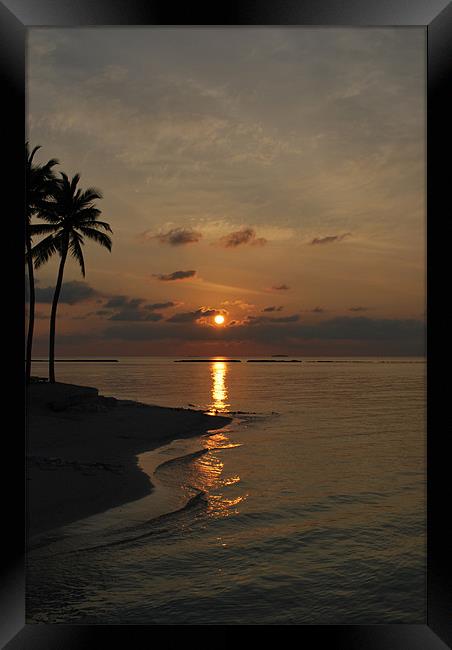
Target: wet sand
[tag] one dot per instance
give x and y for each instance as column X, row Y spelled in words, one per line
column 82, row 450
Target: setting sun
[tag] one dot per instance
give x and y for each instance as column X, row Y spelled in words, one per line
column 219, row 319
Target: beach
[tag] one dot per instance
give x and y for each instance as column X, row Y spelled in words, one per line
column 82, row 450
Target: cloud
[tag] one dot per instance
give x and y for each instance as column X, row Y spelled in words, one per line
column 175, row 236
column 198, row 145
column 281, row 287
column 160, row 305
column 358, row 309
column 379, row 335
column 188, row 130
column 192, row 316
column 116, row 301
column 240, row 237
column 363, row 328
column 132, row 309
column 71, row 293
column 317, row 310
column 331, row 239
column 136, row 314
column 176, row 275
column 280, row 308
column 241, row 304
column 268, row 319
column 121, row 301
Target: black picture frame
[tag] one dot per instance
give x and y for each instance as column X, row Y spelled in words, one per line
column 16, row 16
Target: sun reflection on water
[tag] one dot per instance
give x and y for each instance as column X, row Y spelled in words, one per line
column 207, row 473
column 219, row 391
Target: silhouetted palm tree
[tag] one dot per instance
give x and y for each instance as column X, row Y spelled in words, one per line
column 72, row 216
column 39, row 180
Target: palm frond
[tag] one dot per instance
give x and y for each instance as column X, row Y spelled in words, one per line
column 44, row 250
column 69, row 212
column 74, row 182
column 64, row 180
column 47, row 168
column 99, row 237
column 75, row 249
column 90, row 194
column 88, row 214
column 49, row 211
column 41, row 229
column 31, row 155
column 39, row 182
column 97, row 225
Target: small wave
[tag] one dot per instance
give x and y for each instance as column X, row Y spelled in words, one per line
column 198, row 500
column 184, row 458
column 250, row 416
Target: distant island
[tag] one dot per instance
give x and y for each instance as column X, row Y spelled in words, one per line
column 78, row 361
column 274, row 361
column 207, row 360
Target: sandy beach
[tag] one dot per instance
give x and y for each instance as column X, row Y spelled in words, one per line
column 82, row 450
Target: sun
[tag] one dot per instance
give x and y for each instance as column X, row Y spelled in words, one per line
column 219, row 319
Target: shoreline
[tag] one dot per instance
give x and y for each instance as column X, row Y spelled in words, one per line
column 82, row 450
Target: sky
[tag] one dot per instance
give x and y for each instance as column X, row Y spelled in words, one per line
column 275, row 176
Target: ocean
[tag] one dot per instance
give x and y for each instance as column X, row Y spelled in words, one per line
column 309, row 508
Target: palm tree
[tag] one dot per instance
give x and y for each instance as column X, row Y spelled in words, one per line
column 39, row 180
column 72, row 216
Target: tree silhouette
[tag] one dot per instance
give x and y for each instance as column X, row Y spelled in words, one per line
column 71, row 216
column 39, row 183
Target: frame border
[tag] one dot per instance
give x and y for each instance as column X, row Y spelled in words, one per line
column 16, row 16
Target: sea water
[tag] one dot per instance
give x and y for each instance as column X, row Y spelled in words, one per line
column 309, row 508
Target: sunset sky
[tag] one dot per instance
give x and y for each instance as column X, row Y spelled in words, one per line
column 273, row 175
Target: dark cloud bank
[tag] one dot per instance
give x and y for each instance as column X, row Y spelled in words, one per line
column 71, row 293
column 133, row 309
column 404, row 335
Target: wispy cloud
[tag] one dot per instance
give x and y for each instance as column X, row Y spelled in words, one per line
column 174, row 237
column 242, row 237
column 240, row 304
column 331, row 239
column 176, row 275
column 190, row 145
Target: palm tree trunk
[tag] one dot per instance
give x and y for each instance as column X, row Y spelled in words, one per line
column 31, row 312
column 53, row 313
